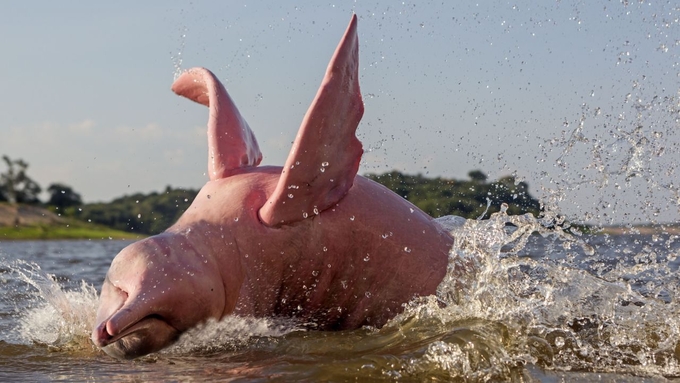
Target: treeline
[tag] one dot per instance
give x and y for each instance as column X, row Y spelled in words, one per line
column 466, row 198
column 17, row 187
column 153, row 213
column 139, row 213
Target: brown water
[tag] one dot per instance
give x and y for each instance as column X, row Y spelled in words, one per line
column 549, row 307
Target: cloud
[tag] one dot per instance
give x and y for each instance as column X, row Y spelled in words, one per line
column 175, row 156
column 149, row 132
column 44, row 135
column 83, row 127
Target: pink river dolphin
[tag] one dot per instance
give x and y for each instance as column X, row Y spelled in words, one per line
column 311, row 240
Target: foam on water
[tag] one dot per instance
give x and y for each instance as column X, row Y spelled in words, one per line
column 50, row 316
column 63, row 320
column 551, row 313
column 230, row 333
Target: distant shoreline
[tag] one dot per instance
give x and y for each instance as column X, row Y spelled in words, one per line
column 673, row 229
column 26, row 222
column 37, row 233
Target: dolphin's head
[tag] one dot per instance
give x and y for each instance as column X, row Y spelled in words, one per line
column 156, row 289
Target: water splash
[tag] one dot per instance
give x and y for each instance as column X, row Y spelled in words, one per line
column 229, row 334
column 62, row 320
column 177, row 57
column 616, row 157
column 519, row 308
column 55, row 318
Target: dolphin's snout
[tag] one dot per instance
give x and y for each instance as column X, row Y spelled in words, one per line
column 100, row 336
column 126, row 326
column 111, row 304
column 149, row 335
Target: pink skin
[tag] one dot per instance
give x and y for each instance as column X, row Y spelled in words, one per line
column 344, row 252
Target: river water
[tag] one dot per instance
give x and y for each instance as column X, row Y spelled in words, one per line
column 555, row 305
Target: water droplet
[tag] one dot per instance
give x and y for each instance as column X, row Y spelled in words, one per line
column 139, row 216
column 324, row 164
column 351, row 218
column 236, row 219
column 316, row 211
column 290, row 196
column 559, row 342
column 344, row 284
column 407, row 249
column 305, row 215
column 315, row 273
column 325, row 249
column 367, row 294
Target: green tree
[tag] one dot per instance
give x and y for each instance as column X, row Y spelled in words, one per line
column 15, row 185
column 139, row 213
column 63, row 196
column 439, row 196
column 477, row 175
column 155, row 212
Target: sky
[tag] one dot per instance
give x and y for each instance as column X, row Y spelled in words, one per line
column 577, row 98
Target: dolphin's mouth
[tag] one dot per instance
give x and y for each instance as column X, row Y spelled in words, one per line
column 149, row 335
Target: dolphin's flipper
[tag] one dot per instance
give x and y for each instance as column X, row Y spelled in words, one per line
column 231, row 143
column 325, row 156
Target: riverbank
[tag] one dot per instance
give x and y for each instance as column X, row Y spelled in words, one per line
column 68, row 231
column 25, row 222
column 673, row 229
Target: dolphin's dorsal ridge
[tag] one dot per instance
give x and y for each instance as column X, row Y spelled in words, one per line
column 231, row 144
column 325, row 156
